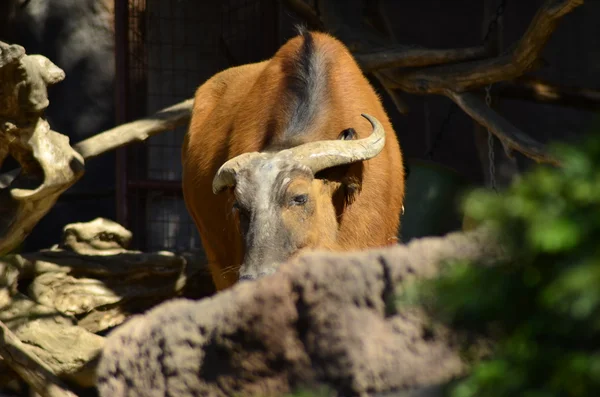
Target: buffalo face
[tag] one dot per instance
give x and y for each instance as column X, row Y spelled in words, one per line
column 281, row 207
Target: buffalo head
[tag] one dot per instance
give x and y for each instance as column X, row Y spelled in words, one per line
column 282, row 207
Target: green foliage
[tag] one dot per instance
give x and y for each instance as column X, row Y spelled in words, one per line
column 312, row 391
column 543, row 307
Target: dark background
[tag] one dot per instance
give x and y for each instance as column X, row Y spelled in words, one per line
column 169, row 47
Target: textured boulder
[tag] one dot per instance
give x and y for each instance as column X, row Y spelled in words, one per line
column 322, row 318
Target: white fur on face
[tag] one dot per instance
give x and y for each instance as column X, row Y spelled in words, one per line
column 259, row 190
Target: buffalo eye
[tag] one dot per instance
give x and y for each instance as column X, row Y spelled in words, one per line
column 347, row 134
column 243, row 216
column 242, row 212
column 236, row 206
column 299, row 199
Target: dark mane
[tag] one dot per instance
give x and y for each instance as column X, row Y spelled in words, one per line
column 306, row 79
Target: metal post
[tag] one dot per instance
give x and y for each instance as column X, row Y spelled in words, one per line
column 121, row 84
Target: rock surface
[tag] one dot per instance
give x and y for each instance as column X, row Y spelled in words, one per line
column 98, row 237
column 322, row 318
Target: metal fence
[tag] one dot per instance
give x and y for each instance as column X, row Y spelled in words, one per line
column 165, row 50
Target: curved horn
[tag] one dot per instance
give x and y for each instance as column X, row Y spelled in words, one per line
column 316, row 156
column 227, row 173
column 325, row 154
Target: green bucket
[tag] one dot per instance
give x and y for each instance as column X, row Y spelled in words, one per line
column 431, row 201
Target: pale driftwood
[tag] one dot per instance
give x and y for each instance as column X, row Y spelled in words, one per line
column 71, row 295
column 9, row 275
column 477, row 74
column 106, row 287
column 107, row 317
column 87, row 284
column 65, row 348
column 30, row 368
column 35, row 191
column 91, row 274
column 136, row 131
column 49, row 165
column 10, row 53
column 163, row 278
column 98, row 237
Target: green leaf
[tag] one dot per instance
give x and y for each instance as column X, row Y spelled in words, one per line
column 554, row 234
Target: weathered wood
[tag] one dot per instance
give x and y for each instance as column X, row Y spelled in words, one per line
column 465, row 72
column 103, row 290
column 63, row 168
column 9, row 276
column 92, row 275
column 87, row 284
column 49, row 165
column 470, row 75
column 542, row 91
column 407, row 56
column 29, row 367
column 136, row 131
column 79, row 294
column 400, row 104
column 98, row 237
column 454, row 80
column 57, row 341
column 10, row 53
column 510, row 135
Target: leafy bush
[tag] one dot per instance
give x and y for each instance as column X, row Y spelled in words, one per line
column 542, row 308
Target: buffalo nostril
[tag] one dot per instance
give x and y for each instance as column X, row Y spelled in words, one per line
column 250, row 277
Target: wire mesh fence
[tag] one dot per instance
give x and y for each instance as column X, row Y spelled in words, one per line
column 173, row 47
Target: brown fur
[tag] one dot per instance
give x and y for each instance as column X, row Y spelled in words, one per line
column 240, row 110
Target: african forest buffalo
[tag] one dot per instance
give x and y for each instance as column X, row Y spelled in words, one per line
column 290, row 154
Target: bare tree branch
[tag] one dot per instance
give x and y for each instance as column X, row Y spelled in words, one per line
column 510, row 135
column 452, row 80
column 404, row 56
column 136, row 131
column 539, row 90
column 394, row 95
column 31, row 369
column 467, row 76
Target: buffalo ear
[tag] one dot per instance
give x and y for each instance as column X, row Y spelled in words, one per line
column 347, row 134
